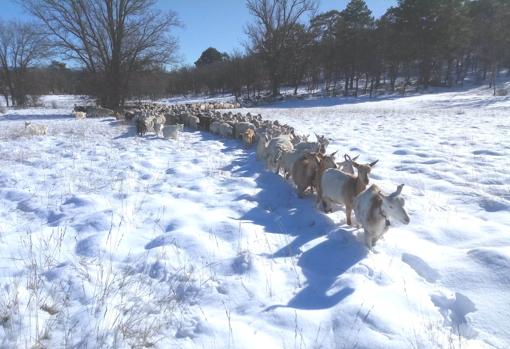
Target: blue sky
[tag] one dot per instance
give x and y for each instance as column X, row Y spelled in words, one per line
column 216, row 23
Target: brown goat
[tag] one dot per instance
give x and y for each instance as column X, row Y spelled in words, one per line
column 308, row 169
column 249, row 137
column 304, row 171
column 342, row 188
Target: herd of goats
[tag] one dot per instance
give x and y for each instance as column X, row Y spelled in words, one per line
column 304, row 162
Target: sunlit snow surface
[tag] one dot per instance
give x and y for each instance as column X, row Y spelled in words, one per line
column 107, row 239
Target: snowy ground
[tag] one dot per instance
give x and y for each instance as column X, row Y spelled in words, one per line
column 112, row 240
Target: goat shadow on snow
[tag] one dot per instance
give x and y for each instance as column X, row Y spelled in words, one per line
column 279, row 210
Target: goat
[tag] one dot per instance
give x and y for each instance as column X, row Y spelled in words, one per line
column 159, row 124
column 326, row 163
column 79, row 108
column 373, row 211
column 35, row 129
column 149, row 124
column 141, row 126
column 275, row 149
column 287, row 159
column 204, row 122
column 341, row 188
column 215, row 127
column 172, row 131
column 261, row 151
column 249, row 137
column 308, row 168
column 129, row 115
column 226, row 130
column 323, row 143
column 241, row 127
column 347, row 165
column 80, row 115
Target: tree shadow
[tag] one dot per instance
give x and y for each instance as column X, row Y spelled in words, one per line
column 34, row 117
column 325, row 101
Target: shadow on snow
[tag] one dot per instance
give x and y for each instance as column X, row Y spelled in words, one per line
column 35, row 117
column 280, row 211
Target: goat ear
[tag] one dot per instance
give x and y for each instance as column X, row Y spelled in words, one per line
column 347, row 157
column 333, row 154
column 372, row 164
column 355, row 158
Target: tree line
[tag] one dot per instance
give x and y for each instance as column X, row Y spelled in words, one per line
column 109, row 44
column 121, row 49
column 348, row 52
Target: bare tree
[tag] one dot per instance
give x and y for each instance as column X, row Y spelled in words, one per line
column 21, row 45
column 112, row 39
column 275, row 21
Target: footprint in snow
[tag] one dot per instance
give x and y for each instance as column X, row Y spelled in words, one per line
column 401, row 152
column 486, row 152
column 490, row 205
column 88, row 247
column 421, row 267
column 15, row 196
column 162, row 240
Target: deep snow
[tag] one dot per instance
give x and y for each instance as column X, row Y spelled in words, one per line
column 107, row 239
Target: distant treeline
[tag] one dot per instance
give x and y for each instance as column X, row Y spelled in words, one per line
column 417, row 43
column 420, row 43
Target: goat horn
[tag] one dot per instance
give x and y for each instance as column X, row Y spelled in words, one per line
column 399, row 189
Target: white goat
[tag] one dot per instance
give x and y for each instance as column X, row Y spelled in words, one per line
column 159, row 124
column 193, row 121
column 80, row 115
column 214, row 128
column 226, row 130
column 172, row 131
column 240, row 128
column 261, row 151
column 342, row 188
column 275, row 148
column 35, row 129
column 347, row 165
column 374, row 211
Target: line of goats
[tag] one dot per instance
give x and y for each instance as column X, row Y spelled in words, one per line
column 298, row 159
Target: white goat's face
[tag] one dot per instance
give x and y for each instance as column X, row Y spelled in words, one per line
column 393, row 206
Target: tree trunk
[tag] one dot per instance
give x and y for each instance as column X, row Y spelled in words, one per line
column 493, row 77
column 275, row 86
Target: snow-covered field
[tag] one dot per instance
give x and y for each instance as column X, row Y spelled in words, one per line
column 111, row 240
